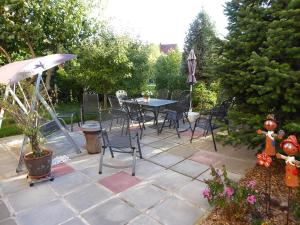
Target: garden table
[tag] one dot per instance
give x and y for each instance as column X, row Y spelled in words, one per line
column 154, row 103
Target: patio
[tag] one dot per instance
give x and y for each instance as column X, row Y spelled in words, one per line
column 167, row 188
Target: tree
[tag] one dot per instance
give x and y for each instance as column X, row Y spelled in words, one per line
column 202, row 38
column 31, row 28
column 138, row 55
column 260, row 65
column 167, row 71
column 103, row 63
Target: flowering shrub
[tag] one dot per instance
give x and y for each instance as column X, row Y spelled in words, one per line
column 147, row 93
column 235, row 201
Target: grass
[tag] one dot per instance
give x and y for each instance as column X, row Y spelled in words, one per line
column 9, row 128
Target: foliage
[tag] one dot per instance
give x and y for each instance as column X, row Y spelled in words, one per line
column 139, row 55
column 205, row 95
column 202, row 38
column 296, row 206
column 147, row 93
column 235, row 201
column 260, row 65
column 167, row 71
column 27, row 123
column 33, row 27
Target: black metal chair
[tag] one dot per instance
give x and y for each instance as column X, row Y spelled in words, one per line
column 137, row 114
column 90, row 106
column 179, row 94
column 117, row 142
column 116, row 110
column 174, row 113
column 213, row 120
column 162, row 93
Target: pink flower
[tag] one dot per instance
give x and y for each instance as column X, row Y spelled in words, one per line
column 251, row 199
column 206, row 193
column 251, row 184
column 229, row 191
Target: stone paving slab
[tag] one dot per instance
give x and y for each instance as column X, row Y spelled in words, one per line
column 146, row 169
column 8, row 222
column 190, row 168
column 166, row 159
column 144, row 196
column 163, row 144
column 68, row 183
column 112, row 212
column 193, row 193
column 88, row 196
column 170, row 180
column 54, row 212
column 143, row 220
column 162, row 195
column 74, row 221
column 4, row 211
column 29, row 198
column 175, row 211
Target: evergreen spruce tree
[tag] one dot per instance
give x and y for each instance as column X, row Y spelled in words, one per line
column 260, row 66
column 202, row 38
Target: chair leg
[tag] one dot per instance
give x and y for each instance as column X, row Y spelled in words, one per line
column 163, row 124
column 176, row 127
column 133, row 161
column 139, row 148
column 213, row 137
column 101, row 159
column 193, row 131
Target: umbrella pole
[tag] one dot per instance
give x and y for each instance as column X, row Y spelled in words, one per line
column 191, row 89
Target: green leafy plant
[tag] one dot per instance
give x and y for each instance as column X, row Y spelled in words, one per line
column 147, row 93
column 27, row 123
column 235, row 201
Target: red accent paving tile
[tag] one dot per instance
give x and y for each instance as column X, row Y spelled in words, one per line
column 119, row 182
column 61, row 169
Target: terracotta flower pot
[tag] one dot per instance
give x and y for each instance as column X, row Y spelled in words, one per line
column 146, row 98
column 38, row 167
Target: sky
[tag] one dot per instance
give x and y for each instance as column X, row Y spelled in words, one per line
column 162, row 21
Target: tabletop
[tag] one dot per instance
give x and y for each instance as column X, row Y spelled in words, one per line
column 153, row 102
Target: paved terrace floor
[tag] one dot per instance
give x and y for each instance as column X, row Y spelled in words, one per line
column 167, row 188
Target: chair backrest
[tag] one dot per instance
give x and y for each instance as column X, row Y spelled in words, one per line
column 90, row 103
column 114, row 102
column 121, row 95
column 176, row 94
column 220, row 111
column 162, row 93
column 133, row 109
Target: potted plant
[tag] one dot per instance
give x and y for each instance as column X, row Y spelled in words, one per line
column 146, row 94
column 38, row 161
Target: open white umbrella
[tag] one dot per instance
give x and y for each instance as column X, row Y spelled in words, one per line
column 191, row 77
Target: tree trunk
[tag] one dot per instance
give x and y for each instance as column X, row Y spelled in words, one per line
column 6, row 54
column 105, row 101
column 35, row 147
column 29, row 44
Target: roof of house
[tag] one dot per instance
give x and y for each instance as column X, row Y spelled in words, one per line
column 165, row 48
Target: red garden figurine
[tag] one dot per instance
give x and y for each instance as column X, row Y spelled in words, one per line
column 270, row 125
column 291, row 147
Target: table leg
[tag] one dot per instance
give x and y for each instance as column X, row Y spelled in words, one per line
column 156, row 118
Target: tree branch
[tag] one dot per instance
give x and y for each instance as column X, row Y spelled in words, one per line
column 6, row 54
